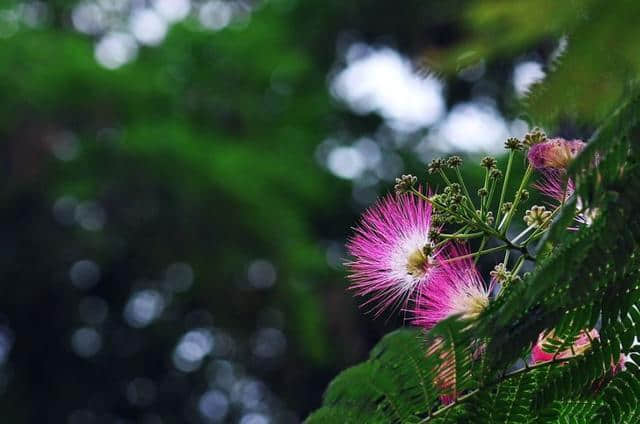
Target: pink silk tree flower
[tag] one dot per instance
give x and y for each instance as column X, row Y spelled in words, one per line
column 580, row 346
column 555, row 184
column 551, row 158
column 392, row 252
column 445, row 373
column 555, row 153
column 456, row 289
column 616, row 367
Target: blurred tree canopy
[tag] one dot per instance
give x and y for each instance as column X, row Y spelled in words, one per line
column 591, row 62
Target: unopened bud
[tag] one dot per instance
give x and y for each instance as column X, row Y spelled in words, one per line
column 513, row 143
column 454, row 161
column 537, row 217
column 495, row 174
column 534, row 136
column 489, row 162
column 436, row 165
column 405, row 183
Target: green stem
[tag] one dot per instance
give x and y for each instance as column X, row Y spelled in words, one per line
column 518, row 265
column 444, row 177
column 464, row 188
column 489, row 231
column 485, row 187
column 463, row 236
column 490, row 197
column 437, row 205
column 479, row 253
column 482, row 243
column 516, row 201
column 505, row 183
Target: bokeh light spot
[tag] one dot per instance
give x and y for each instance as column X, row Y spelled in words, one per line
column 143, row 308
column 346, row 162
column 381, row 80
column 215, row 15
column 261, row 274
column 269, row 343
column 116, row 49
column 90, row 215
column 86, row 342
column 172, row 10
column 213, row 405
column 178, row 277
column 148, row 26
column 525, row 74
column 192, row 349
column 84, row 274
column 255, row 418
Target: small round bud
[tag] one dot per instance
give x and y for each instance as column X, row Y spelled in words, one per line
column 436, row 165
column 405, row 183
column 506, row 207
column 483, row 192
column 489, row 162
column 454, row 161
column 534, row 136
column 495, row 173
column 513, row 143
column 524, row 194
column 439, row 219
column 455, row 188
column 437, row 198
column 537, row 217
column 500, row 273
column 489, row 218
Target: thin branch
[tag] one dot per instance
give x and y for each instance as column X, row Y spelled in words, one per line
column 499, row 380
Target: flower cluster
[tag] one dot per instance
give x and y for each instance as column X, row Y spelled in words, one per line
column 417, row 250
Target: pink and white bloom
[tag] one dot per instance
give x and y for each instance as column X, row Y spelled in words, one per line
column 391, row 250
column 551, row 158
column 555, row 153
column 456, row 289
column 555, row 184
column 580, row 346
column 445, row 375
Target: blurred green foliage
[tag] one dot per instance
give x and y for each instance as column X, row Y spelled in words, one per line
column 195, row 157
column 592, row 59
